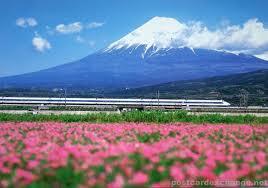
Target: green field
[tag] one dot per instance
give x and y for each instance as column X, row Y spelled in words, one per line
column 137, row 116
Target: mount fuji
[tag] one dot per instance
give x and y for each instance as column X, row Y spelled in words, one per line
column 151, row 54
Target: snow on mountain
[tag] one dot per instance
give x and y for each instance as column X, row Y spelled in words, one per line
column 165, row 33
column 159, row 32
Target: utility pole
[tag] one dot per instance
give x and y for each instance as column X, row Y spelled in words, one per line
column 243, row 98
column 65, row 94
column 158, row 98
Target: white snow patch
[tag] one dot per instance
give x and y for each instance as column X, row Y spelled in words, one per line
column 159, row 32
column 263, row 56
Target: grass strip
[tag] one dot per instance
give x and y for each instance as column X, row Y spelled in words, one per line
column 136, row 116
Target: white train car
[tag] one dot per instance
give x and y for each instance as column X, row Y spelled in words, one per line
column 111, row 101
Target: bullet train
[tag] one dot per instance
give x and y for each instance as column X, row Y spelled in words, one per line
column 111, row 101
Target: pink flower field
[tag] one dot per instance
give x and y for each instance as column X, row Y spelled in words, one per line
column 132, row 155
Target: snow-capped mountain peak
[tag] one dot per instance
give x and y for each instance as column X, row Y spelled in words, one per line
column 159, row 32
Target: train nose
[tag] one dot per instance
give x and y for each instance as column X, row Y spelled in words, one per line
column 225, row 103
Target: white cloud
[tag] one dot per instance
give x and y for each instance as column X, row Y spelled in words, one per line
column 26, row 22
column 75, row 27
column 94, row 25
column 31, row 22
column 251, row 37
column 40, row 44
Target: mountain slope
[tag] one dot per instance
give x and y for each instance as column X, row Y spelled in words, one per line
column 227, row 87
column 148, row 55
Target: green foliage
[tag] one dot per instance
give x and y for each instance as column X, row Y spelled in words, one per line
column 136, row 116
column 13, row 107
column 220, row 168
column 156, row 176
column 139, row 161
column 111, row 176
column 172, row 134
column 153, row 137
column 98, row 169
column 65, row 177
column 200, row 163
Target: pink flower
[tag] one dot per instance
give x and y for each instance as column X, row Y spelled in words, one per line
column 207, row 173
column 57, row 157
column 176, row 173
column 4, row 183
column 161, row 169
column 161, row 184
column 2, row 150
column 117, row 183
column 245, row 169
column 97, row 150
column 139, row 178
column 25, row 176
column 128, row 171
column 229, row 175
column 13, row 159
column 33, row 164
column 261, row 158
column 192, row 171
column 108, row 168
column 210, row 162
column 5, row 170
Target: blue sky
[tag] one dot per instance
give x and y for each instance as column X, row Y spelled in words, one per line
column 38, row 34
